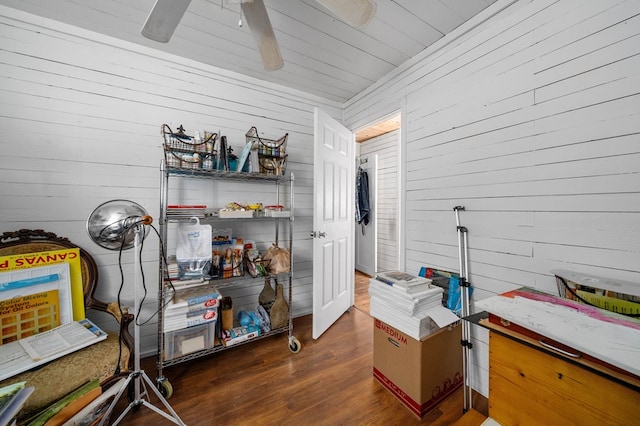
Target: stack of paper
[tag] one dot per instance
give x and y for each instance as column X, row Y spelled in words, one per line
column 191, row 311
column 407, row 282
column 416, row 303
column 410, row 304
column 172, row 269
column 412, row 326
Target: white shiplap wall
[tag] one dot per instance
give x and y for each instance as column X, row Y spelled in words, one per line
column 80, row 115
column 386, row 147
column 532, row 122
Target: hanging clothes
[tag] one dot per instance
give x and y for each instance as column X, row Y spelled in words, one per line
column 362, row 198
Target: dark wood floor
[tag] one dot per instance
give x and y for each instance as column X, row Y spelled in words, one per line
column 361, row 300
column 329, row 382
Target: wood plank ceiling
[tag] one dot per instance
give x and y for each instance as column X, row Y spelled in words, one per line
column 322, row 55
column 377, row 129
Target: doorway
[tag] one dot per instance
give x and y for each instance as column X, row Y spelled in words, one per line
column 378, row 150
column 378, row 146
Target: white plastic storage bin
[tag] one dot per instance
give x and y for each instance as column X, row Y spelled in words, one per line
column 187, row 340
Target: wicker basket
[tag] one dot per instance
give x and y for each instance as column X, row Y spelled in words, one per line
column 272, row 165
column 268, row 147
column 227, row 261
column 269, row 154
column 182, row 151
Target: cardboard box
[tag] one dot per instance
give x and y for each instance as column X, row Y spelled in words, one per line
column 189, row 319
column 234, row 214
column 240, row 334
column 421, row 374
column 191, row 309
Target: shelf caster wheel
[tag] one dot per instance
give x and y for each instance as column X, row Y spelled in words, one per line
column 294, row 345
column 165, row 388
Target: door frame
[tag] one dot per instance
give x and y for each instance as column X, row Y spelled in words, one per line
column 401, row 111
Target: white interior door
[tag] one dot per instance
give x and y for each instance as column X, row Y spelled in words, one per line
column 333, row 204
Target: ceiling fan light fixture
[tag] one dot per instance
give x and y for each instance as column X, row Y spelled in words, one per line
column 356, row 13
column 167, row 14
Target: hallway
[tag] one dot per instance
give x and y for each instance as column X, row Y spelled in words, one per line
column 361, row 299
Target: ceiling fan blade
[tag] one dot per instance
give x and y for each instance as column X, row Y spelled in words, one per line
column 357, row 13
column 255, row 13
column 163, row 19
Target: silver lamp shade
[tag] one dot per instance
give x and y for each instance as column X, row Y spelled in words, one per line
column 112, row 224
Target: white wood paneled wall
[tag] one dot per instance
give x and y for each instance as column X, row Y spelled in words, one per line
column 386, row 147
column 80, row 116
column 532, row 122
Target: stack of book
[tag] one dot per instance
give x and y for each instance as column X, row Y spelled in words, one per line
column 409, row 303
column 172, row 269
column 177, row 211
column 191, row 310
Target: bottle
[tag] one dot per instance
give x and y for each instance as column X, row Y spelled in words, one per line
column 233, row 160
column 267, row 295
column 207, row 163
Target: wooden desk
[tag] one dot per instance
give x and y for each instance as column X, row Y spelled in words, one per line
column 532, row 383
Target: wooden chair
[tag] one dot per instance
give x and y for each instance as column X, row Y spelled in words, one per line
column 63, row 375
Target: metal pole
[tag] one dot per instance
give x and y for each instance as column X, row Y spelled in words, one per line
column 464, row 301
column 465, row 324
column 139, row 375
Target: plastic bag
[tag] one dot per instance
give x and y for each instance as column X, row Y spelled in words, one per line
column 450, row 282
column 193, row 251
column 279, row 259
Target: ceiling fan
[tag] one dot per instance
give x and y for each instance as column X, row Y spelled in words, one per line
column 166, row 15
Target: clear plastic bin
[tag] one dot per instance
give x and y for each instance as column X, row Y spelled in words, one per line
column 181, row 342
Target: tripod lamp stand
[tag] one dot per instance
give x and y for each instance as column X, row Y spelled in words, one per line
column 119, row 225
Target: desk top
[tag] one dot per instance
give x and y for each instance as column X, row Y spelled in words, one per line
column 605, row 335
